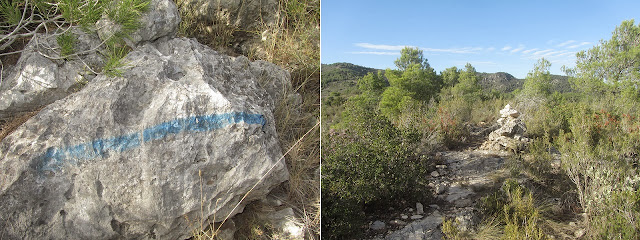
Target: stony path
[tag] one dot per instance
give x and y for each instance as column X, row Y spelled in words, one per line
column 460, row 182
column 458, row 185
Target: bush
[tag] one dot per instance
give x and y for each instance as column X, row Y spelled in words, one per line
column 600, row 156
column 367, row 164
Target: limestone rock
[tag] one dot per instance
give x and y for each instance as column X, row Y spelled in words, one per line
column 377, row 226
column 36, row 80
column 507, row 111
column 132, row 157
column 466, row 219
column 284, row 221
column 510, row 133
column 161, row 19
column 419, row 208
column 426, row 228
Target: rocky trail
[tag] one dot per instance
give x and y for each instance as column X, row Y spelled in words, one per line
column 458, row 184
column 461, row 179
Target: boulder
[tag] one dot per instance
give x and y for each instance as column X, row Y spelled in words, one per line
column 160, row 20
column 180, row 138
column 41, row 77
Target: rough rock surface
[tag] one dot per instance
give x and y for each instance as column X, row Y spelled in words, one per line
column 467, row 177
column 38, row 79
column 162, row 19
column 127, row 157
column 510, row 134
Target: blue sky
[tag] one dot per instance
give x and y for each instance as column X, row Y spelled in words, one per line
column 506, row 36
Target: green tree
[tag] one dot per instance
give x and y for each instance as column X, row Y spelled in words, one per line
column 391, row 103
column 611, row 66
column 410, row 56
column 467, row 86
column 450, row 76
column 373, row 83
column 538, row 81
column 415, row 82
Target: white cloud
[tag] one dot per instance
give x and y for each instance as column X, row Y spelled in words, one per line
column 552, row 53
column 491, row 49
column 517, row 49
column 376, row 53
column 506, row 48
column 381, row 46
column 565, row 43
column 530, row 50
column 567, row 53
column 542, row 52
column 578, row 45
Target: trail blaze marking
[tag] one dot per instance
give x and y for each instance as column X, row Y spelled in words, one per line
column 54, row 158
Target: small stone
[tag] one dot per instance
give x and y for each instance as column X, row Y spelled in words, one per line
column 579, row 233
column 416, row 217
column 435, row 174
column 398, row 222
column 440, row 188
column 442, row 166
column 419, row 208
column 378, row 226
column 410, row 209
column 434, row 206
column 405, row 217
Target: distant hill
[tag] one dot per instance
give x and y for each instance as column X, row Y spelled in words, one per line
column 505, row 82
column 500, row 81
column 342, row 77
column 343, row 72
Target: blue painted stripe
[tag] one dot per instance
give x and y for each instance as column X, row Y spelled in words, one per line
column 55, row 157
column 200, row 124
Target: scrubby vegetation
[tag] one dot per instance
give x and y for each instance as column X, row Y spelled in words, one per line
column 582, row 166
column 22, row 20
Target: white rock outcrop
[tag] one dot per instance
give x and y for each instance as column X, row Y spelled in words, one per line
column 185, row 132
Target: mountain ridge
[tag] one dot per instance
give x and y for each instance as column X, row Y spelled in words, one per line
column 332, row 74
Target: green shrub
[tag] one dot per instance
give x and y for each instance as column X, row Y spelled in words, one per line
column 341, row 218
column 67, row 44
column 600, row 156
column 367, row 163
